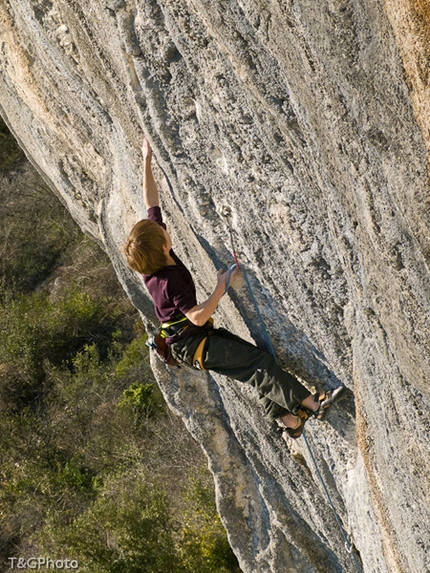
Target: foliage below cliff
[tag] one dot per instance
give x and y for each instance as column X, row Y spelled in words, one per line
column 93, row 466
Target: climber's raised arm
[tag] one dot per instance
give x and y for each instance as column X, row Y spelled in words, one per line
column 150, row 191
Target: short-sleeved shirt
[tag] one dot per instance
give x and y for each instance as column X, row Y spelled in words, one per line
column 172, row 287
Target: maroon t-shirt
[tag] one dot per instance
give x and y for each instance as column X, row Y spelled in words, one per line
column 172, row 288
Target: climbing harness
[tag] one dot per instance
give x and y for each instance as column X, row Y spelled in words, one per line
column 198, row 355
column 169, row 329
column 225, row 212
column 158, row 342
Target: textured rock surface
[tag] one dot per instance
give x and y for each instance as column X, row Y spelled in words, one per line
column 310, row 122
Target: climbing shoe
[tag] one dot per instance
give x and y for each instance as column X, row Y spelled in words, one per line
column 326, row 400
column 302, row 415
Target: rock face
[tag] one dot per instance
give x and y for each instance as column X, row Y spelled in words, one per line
column 310, row 120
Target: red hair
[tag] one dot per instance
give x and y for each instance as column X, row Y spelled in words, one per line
column 145, row 247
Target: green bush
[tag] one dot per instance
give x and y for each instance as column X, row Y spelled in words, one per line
column 78, row 319
column 34, row 231
column 140, row 400
column 126, row 530
column 135, row 353
column 203, row 543
column 10, row 152
column 74, row 474
column 35, row 331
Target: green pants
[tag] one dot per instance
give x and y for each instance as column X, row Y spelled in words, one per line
column 232, row 356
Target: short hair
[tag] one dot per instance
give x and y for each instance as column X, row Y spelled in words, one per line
column 144, row 247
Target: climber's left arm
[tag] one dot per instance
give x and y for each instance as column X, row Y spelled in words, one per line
column 150, row 191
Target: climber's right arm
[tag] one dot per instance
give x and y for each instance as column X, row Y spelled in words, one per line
column 201, row 313
column 150, row 191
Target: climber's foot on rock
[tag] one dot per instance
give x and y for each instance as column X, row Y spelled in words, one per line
column 325, row 401
column 293, row 424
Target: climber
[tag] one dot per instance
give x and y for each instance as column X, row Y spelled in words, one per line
column 187, row 328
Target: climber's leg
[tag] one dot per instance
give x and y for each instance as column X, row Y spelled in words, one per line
column 283, row 397
column 232, row 356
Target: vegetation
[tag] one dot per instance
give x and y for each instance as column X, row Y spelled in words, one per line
column 88, row 446
column 10, row 153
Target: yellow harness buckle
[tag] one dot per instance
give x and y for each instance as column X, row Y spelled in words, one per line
column 166, row 325
column 198, row 355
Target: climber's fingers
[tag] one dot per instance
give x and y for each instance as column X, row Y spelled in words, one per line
column 146, row 150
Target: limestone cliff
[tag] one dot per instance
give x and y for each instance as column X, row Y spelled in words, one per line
column 310, row 120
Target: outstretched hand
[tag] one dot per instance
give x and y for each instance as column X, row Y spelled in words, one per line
column 150, row 191
column 200, row 313
column 228, row 277
column 146, row 150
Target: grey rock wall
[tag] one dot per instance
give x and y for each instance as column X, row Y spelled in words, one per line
column 305, row 118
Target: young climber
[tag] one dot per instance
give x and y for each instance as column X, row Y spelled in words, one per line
column 187, row 326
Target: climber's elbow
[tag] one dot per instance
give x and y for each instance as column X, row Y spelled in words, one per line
column 198, row 315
